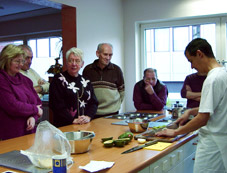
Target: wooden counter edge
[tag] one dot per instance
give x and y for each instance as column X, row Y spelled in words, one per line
column 163, row 153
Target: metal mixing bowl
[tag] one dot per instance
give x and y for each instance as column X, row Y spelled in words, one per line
column 138, row 125
column 80, row 141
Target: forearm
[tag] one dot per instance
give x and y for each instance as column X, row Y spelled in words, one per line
column 122, row 95
column 159, row 100
column 46, row 86
column 193, row 111
column 199, row 121
column 143, row 106
column 38, row 89
column 91, row 110
column 193, row 95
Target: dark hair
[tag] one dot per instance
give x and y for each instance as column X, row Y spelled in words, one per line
column 199, row 44
column 150, row 70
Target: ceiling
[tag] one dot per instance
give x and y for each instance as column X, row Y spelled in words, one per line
column 18, row 9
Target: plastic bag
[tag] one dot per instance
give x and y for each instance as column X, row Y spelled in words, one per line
column 49, row 141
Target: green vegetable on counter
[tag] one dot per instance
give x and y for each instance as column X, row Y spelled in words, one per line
column 159, row 127
column 109, row 143
column 106, row 139
column 126, row 135
column 122, row 140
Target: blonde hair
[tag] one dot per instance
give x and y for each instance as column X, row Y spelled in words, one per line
column 76, row 52
column 8, row 53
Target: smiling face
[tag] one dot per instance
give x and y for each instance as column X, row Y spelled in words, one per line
column 74, row 64
column 104, row 55
column 28, row 60
column 15, row 65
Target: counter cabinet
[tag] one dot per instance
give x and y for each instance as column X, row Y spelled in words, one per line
column 181, row 160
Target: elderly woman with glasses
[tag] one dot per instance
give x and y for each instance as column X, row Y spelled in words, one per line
column 71, row 96
column 20, row 106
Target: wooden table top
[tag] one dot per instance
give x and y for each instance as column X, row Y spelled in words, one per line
column 131, row 162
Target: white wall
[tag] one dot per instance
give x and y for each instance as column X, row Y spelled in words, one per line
column 99, row 21
column 138, row 11
column 104, row 20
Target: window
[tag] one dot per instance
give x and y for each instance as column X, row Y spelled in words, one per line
column 16, row 42
column 164, row 44
column 45, row 51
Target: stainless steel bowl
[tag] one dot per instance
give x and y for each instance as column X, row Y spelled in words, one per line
column 80, row 141
column 138, row 125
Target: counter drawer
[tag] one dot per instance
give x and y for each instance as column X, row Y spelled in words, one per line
column 190, row 147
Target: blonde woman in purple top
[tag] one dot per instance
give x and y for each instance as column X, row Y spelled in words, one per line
column 20, row 106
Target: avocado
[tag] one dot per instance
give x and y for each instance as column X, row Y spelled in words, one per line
column 106, row 139
column 109, row 143
column 127, row 140
column 126, row 135
column 119, row 142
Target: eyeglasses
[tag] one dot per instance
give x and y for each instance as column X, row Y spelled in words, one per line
column 19, row 61
column 71, row 61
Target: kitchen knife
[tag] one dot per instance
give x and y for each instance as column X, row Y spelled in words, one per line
column 140, row 146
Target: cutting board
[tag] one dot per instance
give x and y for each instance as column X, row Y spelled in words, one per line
column 150, row 136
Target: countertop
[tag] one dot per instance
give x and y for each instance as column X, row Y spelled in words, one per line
column 131, row 162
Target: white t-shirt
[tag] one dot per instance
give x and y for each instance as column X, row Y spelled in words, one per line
column 35, row 77
column 214, row 100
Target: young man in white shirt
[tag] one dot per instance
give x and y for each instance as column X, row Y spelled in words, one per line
column 210, row 119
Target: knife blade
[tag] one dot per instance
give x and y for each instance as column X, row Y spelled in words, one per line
column 140, row 146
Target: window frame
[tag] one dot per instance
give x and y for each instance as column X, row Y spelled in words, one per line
column 219, row 21
column 35, row 36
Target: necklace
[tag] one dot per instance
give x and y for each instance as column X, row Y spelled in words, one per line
column 78, row 100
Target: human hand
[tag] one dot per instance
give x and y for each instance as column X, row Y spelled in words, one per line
column 40, row 110
column 38, row 88
column 166, row 132
column 149, row 88
column 83, row 119
column 30, row 123
column 183, row 118
column 197, row 99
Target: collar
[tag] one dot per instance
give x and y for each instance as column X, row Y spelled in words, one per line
column 95, row 65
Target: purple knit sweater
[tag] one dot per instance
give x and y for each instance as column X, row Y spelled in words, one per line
column 18, row 102
column 196, row 83
column 144, row 101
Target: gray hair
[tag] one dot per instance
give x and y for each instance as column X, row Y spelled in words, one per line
column 150, row 70
column 76, row 52
column 99, row 48
column 23, row 46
